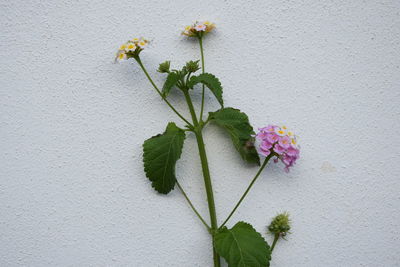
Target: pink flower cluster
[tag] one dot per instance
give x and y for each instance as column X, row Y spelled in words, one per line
column 278, row 140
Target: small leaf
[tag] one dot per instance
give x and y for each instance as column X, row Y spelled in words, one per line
column 241, row 132
column 242, row 246
column 211, row 82
column 172, row 80
column 160, row 154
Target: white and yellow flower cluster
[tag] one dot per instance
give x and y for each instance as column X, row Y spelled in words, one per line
column 198, row 28
column 131, row 48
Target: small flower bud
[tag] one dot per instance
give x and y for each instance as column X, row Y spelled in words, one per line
column 280, row 225
column 164, row 67
column 192, row 66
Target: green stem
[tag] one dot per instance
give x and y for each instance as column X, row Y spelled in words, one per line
column 248, row 188
column 276, row 237
column 159, row 92
column 209, row 191
column 192, row 206
column 191, row 108
column 202, row 69
column 206, row 175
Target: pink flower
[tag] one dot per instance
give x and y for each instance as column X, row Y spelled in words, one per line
column 292, row 151
column 281, row 142
column 279, row 149
column 200, row 27
column 269, row 128
column 265, row 148
column 284, row 142
column 287, row 160
column 265, row 145
column 261, row 135
column 265, row 153
column 272, row 137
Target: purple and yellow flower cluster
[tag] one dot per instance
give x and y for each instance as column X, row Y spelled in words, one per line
column 278, row 140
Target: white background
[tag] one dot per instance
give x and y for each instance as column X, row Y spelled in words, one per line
column 72, row 188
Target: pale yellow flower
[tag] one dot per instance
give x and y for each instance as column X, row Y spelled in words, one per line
column 121, row 56
column 142, row 43
column 130, row 47
column 280, row 131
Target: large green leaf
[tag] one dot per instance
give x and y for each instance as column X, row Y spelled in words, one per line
column 211, row 82
column 242, row 246
column 172, row 80
column 160, row 154
column 241, row 132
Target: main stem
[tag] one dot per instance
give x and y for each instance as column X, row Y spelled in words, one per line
column 248, row 188
column 206, row 175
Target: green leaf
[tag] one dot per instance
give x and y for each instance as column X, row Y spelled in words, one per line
column 241, row 132
column 160, row 154
column 172, row 80
column 211, row 82
column 242, row 246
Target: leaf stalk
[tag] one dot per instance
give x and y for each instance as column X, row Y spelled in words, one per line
column 192, row 206
column 248, row 188
column 139, row 61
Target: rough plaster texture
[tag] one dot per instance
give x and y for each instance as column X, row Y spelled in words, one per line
column 72, row 187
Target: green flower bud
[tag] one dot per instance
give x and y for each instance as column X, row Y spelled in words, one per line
column 192, row 66
column 280, row 224
column 164, row 67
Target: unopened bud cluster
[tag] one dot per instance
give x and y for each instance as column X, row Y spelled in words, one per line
column 280, row 225
column 192, row 66
column 164, row 67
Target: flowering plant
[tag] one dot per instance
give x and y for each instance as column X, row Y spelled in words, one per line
column 240, row 245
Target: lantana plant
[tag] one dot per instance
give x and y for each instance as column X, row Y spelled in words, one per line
column 241, row 244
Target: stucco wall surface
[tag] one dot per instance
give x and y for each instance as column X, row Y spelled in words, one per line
column 72, row 187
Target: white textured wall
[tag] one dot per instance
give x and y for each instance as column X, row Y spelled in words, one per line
column 72, row 187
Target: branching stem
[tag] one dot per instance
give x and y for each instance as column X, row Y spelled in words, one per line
column 192, row 206
column 159, row 92
column 248, row 188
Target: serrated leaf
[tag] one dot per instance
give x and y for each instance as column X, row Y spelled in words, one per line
column 160, row 154
column 241, row 132
column 211, row 82
column 172, row 80
column 242, row 246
